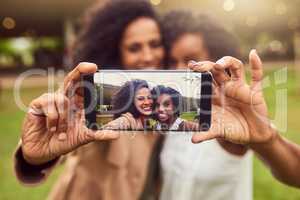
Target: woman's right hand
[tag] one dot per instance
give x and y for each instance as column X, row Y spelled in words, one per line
column 55, row 122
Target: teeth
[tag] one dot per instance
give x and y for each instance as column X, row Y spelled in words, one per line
column 162, row 115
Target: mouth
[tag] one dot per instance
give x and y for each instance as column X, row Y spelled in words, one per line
column 147, row 109
column 162, row 116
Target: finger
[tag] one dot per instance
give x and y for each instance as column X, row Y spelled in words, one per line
column 256, row 68
column 201, row 66
column 220, row 76
column 75, row 75
column 46, row 103
column 103, row 134
column 62, row 105
column 204, row 136
column 235, row 66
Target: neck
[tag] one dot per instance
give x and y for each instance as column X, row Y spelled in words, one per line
column 171, row 121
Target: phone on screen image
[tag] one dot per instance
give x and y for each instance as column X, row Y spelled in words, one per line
column 148, row 100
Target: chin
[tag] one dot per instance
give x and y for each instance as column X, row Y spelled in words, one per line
column 162, row 120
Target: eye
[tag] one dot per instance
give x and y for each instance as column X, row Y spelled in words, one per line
column 155, row 44
column 166, row 104
column 140, row 98
column 134, row 48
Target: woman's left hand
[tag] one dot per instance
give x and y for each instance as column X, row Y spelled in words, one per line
column 233, row 92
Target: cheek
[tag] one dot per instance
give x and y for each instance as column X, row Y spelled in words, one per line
column 151, row 102
column 129, row 59
column 170, row 110
column 136, row 103
column 160, row 54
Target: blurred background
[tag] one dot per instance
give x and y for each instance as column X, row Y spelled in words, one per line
column 40, row 34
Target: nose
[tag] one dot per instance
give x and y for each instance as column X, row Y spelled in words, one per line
column 160, row 108
column 148, row 56
column 147, row 101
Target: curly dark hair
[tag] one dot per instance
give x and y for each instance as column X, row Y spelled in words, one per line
column 176, row 97
column 217, row 40
column 123, row 99
column 99, row 41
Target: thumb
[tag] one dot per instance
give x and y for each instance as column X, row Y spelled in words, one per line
column 256, row 68
column 204, row 136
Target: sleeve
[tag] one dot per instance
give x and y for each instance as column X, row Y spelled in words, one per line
column 28, row 174
column 124, row 122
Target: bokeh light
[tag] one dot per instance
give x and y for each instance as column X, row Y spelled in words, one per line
column 155, row 2
column 9, row 23
column 228, row 5
column 276, row 45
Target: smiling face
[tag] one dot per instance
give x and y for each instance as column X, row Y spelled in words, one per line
column 189, row 46
column 143, row 101
column 141, row 45
column 164, row 108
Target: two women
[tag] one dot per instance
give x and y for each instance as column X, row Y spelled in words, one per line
column 122, row 33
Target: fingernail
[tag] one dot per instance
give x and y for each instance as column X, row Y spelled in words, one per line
column 62, row 136
column 53, row 129
column 192, row 62
column 221, row 62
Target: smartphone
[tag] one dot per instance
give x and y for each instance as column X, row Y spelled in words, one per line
column 148, row 100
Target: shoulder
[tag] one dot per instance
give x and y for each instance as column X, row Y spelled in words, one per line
column 188, row 125
column 127, row 115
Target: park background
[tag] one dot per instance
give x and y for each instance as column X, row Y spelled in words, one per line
column 39, row 35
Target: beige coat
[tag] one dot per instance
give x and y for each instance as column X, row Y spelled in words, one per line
column 114, row 170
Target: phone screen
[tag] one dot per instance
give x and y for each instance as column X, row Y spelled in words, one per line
column 162, row 100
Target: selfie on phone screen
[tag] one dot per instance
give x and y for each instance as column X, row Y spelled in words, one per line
column 167, row 100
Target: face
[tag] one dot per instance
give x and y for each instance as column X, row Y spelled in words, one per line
column 143, row 101
column 141, row 46
column 188, row 47
column 164, row 108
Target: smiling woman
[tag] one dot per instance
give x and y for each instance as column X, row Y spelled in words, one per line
column 132, row 105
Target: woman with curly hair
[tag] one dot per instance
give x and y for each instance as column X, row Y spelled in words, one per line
column 216, row 169
column 121, row 33
column 167, row 110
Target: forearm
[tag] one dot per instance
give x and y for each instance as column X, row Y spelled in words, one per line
column 283, row 158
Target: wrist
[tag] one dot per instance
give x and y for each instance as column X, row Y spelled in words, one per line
column 36, row 161
column 272, row 138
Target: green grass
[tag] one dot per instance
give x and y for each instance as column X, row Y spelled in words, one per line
column 10, row 125
column 265, row 186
